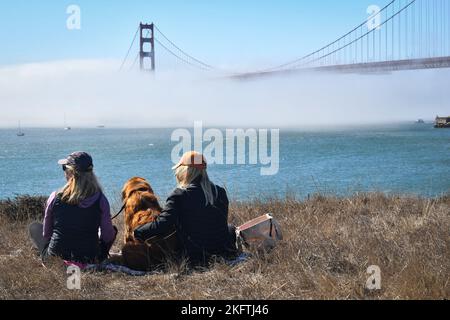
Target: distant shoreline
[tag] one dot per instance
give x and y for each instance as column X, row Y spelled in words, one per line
column 318, row 126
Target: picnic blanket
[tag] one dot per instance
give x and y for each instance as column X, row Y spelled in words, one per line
column 106, row 267
column 117, row 268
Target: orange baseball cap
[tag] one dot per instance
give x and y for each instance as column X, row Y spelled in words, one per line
column 192, row 159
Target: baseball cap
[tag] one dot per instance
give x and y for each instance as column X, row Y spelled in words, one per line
column 192, row 159
column 82, row 161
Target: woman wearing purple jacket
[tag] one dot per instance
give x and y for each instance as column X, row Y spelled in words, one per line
column 74, row 215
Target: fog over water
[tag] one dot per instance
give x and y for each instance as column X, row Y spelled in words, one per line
column 94, row 92
column 378, row 155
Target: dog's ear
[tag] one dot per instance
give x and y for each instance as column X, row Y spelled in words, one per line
column 151, row 201
column 134, row 202
column 127, row 188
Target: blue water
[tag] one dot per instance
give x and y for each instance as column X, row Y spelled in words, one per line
column 403, row 158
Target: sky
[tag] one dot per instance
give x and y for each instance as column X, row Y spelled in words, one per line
column 221, row 32
column 48, row 71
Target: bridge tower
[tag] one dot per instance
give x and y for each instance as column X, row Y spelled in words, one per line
column 149, row 37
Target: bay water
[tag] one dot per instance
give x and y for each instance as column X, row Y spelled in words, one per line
column 403, row 158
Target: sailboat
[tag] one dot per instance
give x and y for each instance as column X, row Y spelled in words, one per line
column 20, row 132
column 65, row 126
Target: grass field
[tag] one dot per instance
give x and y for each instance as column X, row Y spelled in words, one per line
column 329, row 244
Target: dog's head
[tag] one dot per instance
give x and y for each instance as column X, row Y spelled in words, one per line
column 134, row 185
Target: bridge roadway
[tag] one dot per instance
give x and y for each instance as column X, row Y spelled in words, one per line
column 364, row 68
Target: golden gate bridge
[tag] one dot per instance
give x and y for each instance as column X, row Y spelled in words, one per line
column 403, row 35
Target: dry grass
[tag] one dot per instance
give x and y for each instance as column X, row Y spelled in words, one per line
column 329, row 243
column 23, row 208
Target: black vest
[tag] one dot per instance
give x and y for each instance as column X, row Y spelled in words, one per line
column 75, row 231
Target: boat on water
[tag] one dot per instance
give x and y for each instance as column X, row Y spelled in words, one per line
column 420, row 121
column 66, row 127
column 20, row 133
column 442, row 122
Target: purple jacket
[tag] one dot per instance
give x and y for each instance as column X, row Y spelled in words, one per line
column 107, row 231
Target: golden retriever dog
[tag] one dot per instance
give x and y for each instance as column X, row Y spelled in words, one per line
column 141, row 207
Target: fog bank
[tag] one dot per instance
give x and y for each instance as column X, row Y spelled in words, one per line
column 94, row 92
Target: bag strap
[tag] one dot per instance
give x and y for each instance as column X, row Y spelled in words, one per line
column 271, row 227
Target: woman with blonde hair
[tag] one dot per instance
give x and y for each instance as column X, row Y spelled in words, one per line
column 198, row 210
column 74, row 215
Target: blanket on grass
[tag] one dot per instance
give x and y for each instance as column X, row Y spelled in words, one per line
column 117, row 268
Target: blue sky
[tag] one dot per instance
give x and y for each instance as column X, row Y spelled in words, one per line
column 226, row 32
column 47, row 68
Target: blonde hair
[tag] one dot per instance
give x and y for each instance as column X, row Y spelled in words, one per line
column 80, row 186
column 185, row 175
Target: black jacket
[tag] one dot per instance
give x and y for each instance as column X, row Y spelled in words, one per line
column 75, row 231
column 202, row 230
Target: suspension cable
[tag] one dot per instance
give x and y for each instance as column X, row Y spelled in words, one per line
column 180, row 58
column 325, row 47
column 205, row 65
column 129, row 49
column 134, row 62
column 364, row 35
